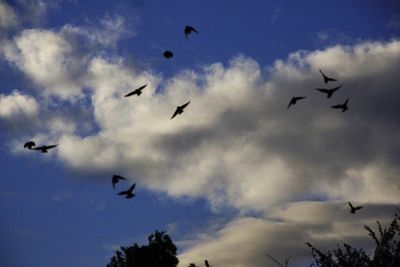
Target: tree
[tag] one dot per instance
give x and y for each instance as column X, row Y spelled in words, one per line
column 386, row 254
column 160, row 252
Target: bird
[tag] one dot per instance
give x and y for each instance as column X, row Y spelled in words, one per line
column 294, row 100
column 354, row 209
column 168, row 54
column 116, row 179
column 329, row 92
column 29, row 144
column 44, row 148
column 179, row 109
column 189, row 29
column 326, row 78
column 128, row 192
column 343, row 106
column 206, row 263
column 137, row 91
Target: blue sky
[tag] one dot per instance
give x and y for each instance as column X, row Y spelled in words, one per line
column 60, row 207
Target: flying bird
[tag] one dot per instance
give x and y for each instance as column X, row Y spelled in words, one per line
column 116, row 179
column 294, row 100
column 326, row 78
column 137, row 91
column 206, row 263
column 44, row 148
column 354, row 209
column 189, row 30
column 129, row 192
column 329, row 92
column 168, row 54
column 179, row 109
column 29, row 144
column 343, row 106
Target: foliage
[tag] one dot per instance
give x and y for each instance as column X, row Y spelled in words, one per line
column 160, row 252
column 386, row 254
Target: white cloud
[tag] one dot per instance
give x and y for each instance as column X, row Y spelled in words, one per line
column 235, row 144
column 17, row 105
column 8, row 18
column 243, row 242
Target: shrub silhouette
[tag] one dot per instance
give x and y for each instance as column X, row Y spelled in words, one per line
column 160, row 252
column 386, row 254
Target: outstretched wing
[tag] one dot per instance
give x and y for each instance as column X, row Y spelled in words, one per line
column 49, row 147
column 123, row 193
column 351, row 206
column 358, row 208
column 193, row 29
column 185, row 105
column 290, row 103
column 322, row 90
column 137, row 90
column 132, row 187
column 337, row 106
column 175, row 113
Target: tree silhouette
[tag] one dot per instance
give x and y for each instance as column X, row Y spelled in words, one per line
column 160, row 252
column 386, row 254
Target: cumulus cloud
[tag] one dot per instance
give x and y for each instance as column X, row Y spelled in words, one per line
column 8, row 18
column 16, row 105
column 235, row 144
column 236, row 141
column 245, row 241
column 55, row 59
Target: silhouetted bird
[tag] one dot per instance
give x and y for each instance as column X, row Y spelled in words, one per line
column 137, row 91
column 179, row 109
column 326, row 78
column 128, row 192
column 354, row 209
column 29, row 144
column 44, row 148
column 168, row 54
column 116, row 179
column 343, row 106
column 329, row 92
column 206, row 263
column 189, row 30
column 294, row 100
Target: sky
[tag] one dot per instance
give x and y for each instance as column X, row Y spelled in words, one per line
column 237, row 175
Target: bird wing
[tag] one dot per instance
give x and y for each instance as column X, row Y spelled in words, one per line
column 351, row 206
column 117, row 177
column 39, row 148
column 337, row 106
column 345, row 102
column 323, row 75
column 337, row 88
column 175, row 113
column 123, row 193
column 290, row 103
column 300, row 97
column 136, row 90
column 193, row 29
column 130, row 93
column 51, row 146
column 132, row 187
column 358, row 208
column 322, row 90
column 185, row 105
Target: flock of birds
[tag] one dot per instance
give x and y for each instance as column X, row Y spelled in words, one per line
column 328, row 92
column 31, row 145
column 180, row 109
